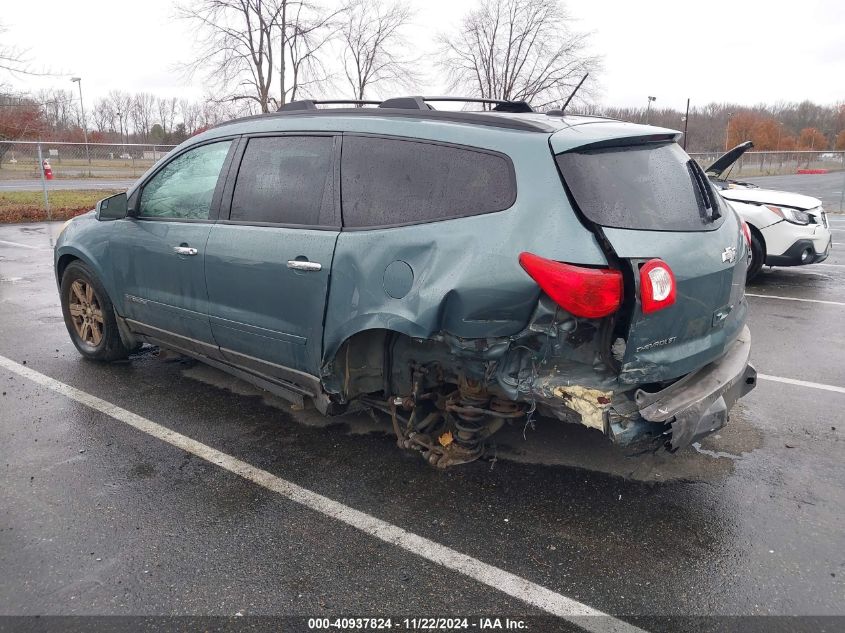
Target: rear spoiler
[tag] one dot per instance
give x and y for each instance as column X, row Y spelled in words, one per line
column 629, row 141
column 597, row 134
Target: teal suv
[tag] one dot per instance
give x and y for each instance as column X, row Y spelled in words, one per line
column 457, row 271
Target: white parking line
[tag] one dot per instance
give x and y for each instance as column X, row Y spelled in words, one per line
column 831, row 265
column 802, row 383
column 832, row 303
column 499, row 579
column 35, row 248
column 799, row 270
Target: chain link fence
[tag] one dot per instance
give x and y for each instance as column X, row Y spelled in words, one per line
column 777, row 163
column 113, row 165
column 20, row 160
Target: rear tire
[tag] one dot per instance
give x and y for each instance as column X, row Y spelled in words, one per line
column 89, row 315
column 758, row 257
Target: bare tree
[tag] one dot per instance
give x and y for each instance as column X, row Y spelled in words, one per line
column 143, row 113
column 60, row 107
column 304, row 38
column 237, row 46
column 166, row 113
column 121, row 104
column 523, row 50
column 260, row 51
column 372, row 36
column 214, row 111
column 20, row 118
column 16, row 61
column 12, row 59
column 105, row 116
column 191, row 114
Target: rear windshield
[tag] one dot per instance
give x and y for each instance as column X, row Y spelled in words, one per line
column 654, row 187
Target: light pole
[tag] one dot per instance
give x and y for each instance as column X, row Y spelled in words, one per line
column 78, row 81
column 648, row 110
column 120, row 123
column 728, row 130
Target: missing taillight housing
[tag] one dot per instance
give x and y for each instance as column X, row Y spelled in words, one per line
column 657, row 286
column 591, row 293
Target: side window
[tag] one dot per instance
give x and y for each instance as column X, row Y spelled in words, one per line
column 184, row 188
column 286, row 180
column 390, row 181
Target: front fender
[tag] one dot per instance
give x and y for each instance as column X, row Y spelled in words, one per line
column 87, row 240
column 757, row 215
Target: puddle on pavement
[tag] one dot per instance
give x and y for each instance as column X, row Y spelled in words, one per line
column 548, row 443
column 706, row 451
column 779, row 278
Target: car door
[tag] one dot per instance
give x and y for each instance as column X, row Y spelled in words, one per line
column 159, row 251
column 269, row 258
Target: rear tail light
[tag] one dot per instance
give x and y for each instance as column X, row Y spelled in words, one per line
column 747, row 233
column 591, row 293
column 657, row 286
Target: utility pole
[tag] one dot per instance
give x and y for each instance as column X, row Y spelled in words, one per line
column 78, row 81
column 686, row 124
column 728, row 130
column 842, row 197
column 120, row 123
column 648, row 110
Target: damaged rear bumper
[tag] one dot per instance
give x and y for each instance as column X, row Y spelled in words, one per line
column 694, row 406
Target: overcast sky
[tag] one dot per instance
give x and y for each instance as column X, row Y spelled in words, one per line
column 745, row 51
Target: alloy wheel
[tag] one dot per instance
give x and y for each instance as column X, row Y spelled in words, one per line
column 85, row 312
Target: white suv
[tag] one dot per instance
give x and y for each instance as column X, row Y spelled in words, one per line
column 787, row 229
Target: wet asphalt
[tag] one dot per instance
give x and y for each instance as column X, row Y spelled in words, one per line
column 69, row 184
column 98, row 518
column 826, row 187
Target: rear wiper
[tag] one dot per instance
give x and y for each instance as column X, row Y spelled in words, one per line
column 706, row 194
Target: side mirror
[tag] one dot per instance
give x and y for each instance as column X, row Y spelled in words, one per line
column 112, row 208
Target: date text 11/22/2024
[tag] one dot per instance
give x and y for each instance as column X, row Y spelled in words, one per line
column 417, row 624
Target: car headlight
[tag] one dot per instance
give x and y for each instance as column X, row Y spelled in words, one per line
column 790, row 215
column 819, row 216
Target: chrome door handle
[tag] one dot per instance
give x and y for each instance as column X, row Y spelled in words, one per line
column 184, row 250
column 304, row 265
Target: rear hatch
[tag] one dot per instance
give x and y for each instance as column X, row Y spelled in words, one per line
column 646, row 199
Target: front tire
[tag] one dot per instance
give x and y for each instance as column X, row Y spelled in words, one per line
column 758, row 257
column 89, row 315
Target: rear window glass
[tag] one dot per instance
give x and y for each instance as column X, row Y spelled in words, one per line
column 390, row 181
column 286, row 180
column 640, row 187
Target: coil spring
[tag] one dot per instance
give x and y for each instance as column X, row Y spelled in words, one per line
column 470, row 424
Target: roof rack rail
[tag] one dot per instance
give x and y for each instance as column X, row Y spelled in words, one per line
column 311, row 104
column 409, row 103
column 502, row 105
column 406, row 103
